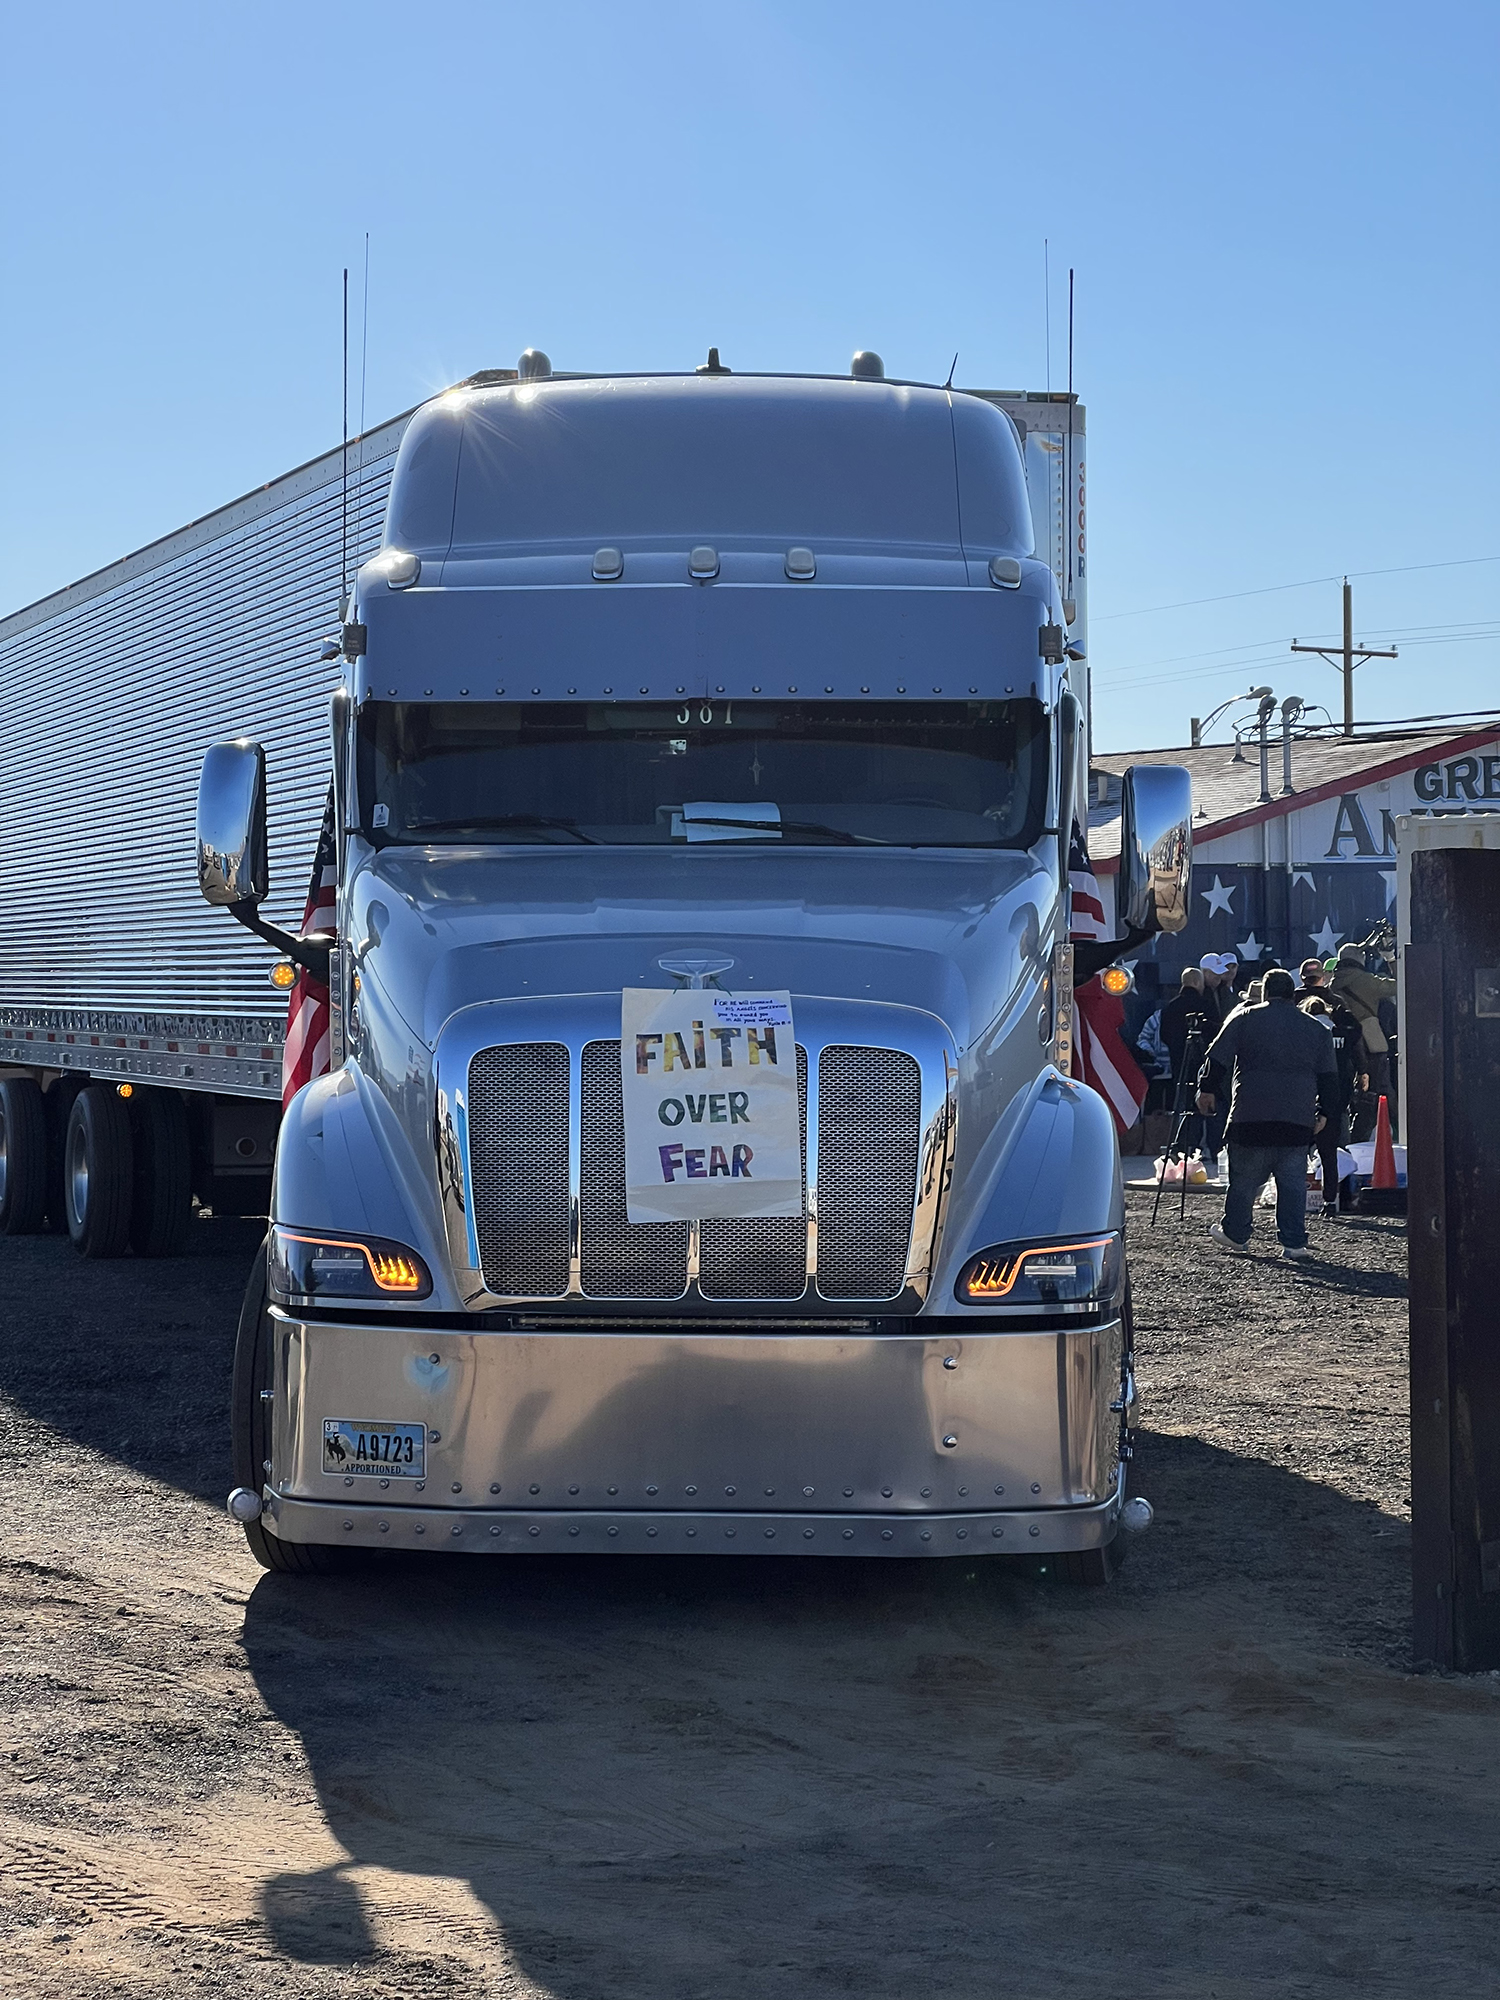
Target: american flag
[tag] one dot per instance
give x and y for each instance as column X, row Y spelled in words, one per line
column 1100, row 1055
column 306, row 1052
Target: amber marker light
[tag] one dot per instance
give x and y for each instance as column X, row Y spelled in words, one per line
column 393, row 1270
column 1115, row 979
column 283, row 975
column 125, row 1089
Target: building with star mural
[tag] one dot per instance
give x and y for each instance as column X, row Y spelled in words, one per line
column 1279, row 879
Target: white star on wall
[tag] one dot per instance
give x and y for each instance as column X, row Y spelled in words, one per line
column 1250, row 949
column 1303, row 875
column 1218, row 897
column 1388, row 876
column 1327, row 940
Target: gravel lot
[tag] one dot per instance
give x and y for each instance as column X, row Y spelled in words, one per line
column 599, row 1780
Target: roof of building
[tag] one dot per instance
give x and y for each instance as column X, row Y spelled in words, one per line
column 1226, row 779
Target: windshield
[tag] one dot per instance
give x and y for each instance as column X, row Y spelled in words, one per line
column 952, row 774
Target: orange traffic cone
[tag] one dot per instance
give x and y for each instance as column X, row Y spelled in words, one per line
column 1384, row 1172
column 1380, row 1195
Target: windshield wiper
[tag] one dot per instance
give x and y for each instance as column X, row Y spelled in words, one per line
column 807, row 826
column 494, row 821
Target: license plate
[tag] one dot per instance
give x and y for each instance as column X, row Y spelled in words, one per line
column 377, row 1450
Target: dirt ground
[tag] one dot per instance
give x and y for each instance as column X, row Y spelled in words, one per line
column 653, row 1780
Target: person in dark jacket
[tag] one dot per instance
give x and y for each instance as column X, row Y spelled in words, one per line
column 1279, row 1071
column 1185, row 1015
column 1347, row 1050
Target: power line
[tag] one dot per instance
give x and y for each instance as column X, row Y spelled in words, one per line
column 1307, row 583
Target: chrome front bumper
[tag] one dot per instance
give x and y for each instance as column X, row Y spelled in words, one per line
column 692, row 1441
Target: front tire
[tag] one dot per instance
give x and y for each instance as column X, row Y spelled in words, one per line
column 99, row 1172
column 1090, row 1567
column 23, row 1157
column 250, row 1424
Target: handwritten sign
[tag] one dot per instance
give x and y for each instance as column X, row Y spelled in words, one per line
column 712, row 1126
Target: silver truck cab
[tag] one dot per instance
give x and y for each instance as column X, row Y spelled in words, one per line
column 734, row 686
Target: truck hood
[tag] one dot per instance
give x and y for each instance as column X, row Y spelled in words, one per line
column 951, row 933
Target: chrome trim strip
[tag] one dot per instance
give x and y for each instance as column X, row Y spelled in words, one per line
column 461, row 1119
column 478, row 1531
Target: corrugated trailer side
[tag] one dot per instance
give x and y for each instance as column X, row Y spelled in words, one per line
column 112, row 690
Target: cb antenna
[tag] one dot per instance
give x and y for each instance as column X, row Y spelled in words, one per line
column 344, row 498
column 364, row 339
column 1047, row 305
column 364, row 358
column 1071, row 510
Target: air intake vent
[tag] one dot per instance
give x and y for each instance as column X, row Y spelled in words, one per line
column 620, row 1259
column 760, row 1256
column 518, row 1156
column 869, row 1131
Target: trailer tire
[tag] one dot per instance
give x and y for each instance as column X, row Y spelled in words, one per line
column 99, row 1172
column 250, row 1425
column 59, row 1102
column 23, row 1156
column 162, row 1207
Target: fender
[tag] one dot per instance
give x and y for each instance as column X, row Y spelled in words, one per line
column 338, row 1167
column 1050, row 1167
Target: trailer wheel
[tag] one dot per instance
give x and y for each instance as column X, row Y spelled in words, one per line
column 163, row 1202
column 250, row 1424
column 23, row 1156
column 99, row 1172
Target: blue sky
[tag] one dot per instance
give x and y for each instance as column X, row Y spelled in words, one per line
column 1283, row 221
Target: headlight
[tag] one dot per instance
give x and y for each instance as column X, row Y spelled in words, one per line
column 305, row 1266
column 1045, row 1275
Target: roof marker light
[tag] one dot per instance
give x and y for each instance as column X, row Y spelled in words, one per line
column 867, row 366
column 608, row 564
column 398, row 569
column 703, row 562
column 800, row 564
column 1006, row 572
column 533, row 366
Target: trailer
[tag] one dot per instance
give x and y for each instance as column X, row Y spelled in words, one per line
column 698, row 1163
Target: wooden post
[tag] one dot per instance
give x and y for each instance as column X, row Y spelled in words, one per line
column 1452, row 1054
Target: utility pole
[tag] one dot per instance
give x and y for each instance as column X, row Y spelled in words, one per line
column 1348, row 656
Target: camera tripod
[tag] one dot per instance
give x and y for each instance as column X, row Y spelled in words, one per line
column 1184, row 1107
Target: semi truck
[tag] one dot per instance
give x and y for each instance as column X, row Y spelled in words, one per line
column 698, row 1166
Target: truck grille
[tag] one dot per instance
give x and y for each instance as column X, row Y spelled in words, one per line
column 869, row 1132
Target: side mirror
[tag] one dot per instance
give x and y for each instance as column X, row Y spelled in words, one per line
column 232, row 856
column 1156, row 847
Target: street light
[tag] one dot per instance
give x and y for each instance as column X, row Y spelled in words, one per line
column 1201, row 729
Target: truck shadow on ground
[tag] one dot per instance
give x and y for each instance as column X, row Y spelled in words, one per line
column 671, row 1777
column 131, row 1359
